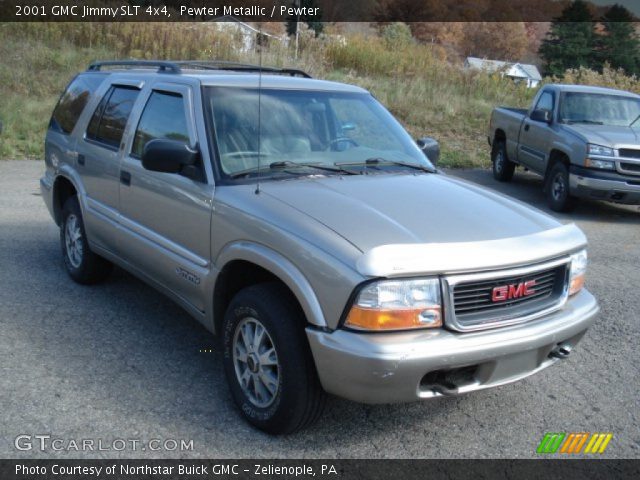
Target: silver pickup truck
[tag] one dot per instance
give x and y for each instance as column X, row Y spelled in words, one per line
column 584, row 142
column 298, row 220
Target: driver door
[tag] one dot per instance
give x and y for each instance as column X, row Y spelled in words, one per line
column 534, row 137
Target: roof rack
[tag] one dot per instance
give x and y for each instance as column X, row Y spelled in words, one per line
column 163, row 67
column 176, row 67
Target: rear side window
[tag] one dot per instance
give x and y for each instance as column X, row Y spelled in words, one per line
column 163, row 117
column 110, row 118
column 72, row 103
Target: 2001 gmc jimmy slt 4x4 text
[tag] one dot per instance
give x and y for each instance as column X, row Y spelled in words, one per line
column 296, row 218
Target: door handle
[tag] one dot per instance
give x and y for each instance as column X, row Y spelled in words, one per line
column 125, row 177
column 526, row 127
column 81, row 159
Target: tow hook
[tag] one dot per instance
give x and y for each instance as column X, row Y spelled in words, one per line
column 561, row 351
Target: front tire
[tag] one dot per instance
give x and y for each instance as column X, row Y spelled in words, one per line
column 82, row 265
column 558, row 190
column 267, row 361
column 503, row 168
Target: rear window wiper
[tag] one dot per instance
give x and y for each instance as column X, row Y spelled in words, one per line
column 287, row 164
column 377, row 161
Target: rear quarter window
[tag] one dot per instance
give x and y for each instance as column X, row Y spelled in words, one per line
column 72, row 102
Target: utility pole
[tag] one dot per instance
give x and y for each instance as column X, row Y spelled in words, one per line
column 297, row 4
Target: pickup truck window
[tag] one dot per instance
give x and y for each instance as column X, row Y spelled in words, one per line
column 545, row 102
column 163, row 117
column 108, row 121
column 72, row 103
column 599, row 109
column 296, row 127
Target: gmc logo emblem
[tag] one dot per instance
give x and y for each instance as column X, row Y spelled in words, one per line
column 516, row 290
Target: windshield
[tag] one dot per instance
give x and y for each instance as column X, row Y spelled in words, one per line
column 314, row 128
column 599, row 109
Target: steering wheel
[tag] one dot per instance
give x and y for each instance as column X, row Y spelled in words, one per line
column 337, row 141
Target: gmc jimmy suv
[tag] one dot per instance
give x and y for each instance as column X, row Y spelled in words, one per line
column 298, row 220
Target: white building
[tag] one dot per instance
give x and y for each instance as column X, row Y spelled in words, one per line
column 249, row 36
column 518, row 72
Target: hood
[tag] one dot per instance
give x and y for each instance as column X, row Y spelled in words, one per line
column 607, row 135
column 374, row 210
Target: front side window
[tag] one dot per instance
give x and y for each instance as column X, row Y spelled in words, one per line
column 599, row 109
column 72, row 103
column 545, row 102
column 325, row 128
column 163, row 117
column 110, row 117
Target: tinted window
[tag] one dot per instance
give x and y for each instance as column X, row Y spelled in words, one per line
column 163, row 117
column 73, row 101
column 110, row 118
column 545, row 102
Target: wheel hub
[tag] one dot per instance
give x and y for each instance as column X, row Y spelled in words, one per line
column 255, row 361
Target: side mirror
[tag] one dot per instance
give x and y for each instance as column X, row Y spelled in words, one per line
column 431, row 148
column 171, row 156
column 541, row 115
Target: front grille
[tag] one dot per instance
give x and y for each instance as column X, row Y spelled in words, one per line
column 630, row 167
column 629, row 153
column 474, row 306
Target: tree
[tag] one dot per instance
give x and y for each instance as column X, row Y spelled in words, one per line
column 619, row 44
column 495, row 40
column 313, row 22
column 571, row 41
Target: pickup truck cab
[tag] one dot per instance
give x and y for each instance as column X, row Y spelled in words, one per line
column 584, row 141
column 299, row 221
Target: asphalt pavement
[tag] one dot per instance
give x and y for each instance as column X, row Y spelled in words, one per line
column 119, row 363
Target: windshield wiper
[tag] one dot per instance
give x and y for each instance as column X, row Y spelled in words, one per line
column 637, row 118
column 376, row 161
column 287, row 164
column 584, row 120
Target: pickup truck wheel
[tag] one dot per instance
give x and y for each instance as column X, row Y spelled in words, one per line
column 503, row 168
column 558, row 194
column 268, row 362
column 82, row 265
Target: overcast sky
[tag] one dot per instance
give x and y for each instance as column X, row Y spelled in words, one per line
column 632, row 5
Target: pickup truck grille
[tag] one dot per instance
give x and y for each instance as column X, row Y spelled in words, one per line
column 492, row 302
column 629, row 153
column 630, row 167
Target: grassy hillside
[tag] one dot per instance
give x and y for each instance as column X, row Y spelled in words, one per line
column 427, row 94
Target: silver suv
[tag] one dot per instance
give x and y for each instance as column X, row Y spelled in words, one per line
column 298, row 220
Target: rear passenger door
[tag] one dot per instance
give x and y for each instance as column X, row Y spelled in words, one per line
column 98, row 161
column 165, row 217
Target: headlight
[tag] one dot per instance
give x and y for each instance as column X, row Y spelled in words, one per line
column 397, row 305
column 578, row 270
column 602, row 164
column 599, row 150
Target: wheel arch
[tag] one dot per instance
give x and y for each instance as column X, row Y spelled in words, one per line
column 246, row 263
column 63, row 189
column 555, row 156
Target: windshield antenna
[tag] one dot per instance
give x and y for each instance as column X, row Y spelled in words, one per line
column 259, row 44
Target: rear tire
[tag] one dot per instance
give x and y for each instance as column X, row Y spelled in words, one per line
column 82, row 265
column 273, row 380
column 503, row 168
column 558, row 189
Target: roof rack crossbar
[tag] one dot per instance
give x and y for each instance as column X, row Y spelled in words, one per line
column 163, row 66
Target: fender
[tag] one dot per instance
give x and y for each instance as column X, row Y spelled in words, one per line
column 70, row 174
column 282, row 268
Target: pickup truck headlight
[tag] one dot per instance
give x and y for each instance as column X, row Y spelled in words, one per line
column 577, row 271
column 601, row 164
column 397, row 305
column 599, row 150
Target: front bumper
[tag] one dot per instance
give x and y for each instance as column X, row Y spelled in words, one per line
column 610, row 186
column 406, row 366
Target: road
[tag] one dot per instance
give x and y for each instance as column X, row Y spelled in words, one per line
column 120, row 361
